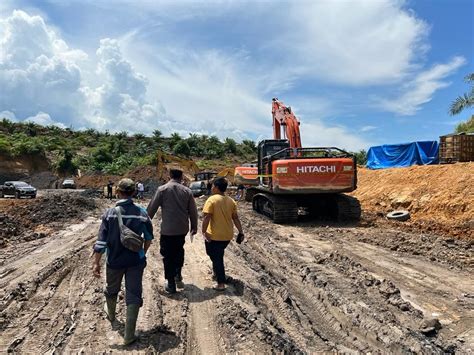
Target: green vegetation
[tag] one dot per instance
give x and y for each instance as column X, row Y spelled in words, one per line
column 65, row 164
column 466, row 127
column 361, row 156
column 466, row 100
column 93, row 151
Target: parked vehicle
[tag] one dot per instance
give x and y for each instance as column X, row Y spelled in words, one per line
column 198, row 188
column 68, row 184
column 18, row 189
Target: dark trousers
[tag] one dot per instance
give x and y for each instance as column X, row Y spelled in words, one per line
column 133, row 283
column 215, row 249
column 172, row 250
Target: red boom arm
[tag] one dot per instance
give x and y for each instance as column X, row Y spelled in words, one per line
column 282, row 116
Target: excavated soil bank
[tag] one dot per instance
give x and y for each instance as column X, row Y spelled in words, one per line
column 440, row 198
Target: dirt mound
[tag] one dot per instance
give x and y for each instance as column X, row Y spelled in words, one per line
column 95, row 181
column 439, row 198
column 33, row 219
column 146, row 174
column 22, row 167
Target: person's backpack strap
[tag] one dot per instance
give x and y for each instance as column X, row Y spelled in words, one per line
column 119, row 216
column 128, row 237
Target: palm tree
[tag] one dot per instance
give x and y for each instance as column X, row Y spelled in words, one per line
column 174, row 139
column 464, row 101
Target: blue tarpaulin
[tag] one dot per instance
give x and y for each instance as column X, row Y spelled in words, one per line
column 400, row 155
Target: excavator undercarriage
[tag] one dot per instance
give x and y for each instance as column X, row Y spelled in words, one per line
column 287, row 209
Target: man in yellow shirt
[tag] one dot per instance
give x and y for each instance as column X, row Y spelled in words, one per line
column 220, row 216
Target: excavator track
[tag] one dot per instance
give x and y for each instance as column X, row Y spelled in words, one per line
column 347, row 208
column 279, row 209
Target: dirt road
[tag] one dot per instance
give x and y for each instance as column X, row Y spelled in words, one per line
column 302, row 288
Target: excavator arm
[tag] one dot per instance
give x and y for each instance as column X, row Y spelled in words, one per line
column 283, row 117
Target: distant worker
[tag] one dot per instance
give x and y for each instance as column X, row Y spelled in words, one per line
column 240, row 192
column 178, row 209
column 122, row 261
column 109, row 189
column 209, row 187
column 220, row 213
column 141, row 190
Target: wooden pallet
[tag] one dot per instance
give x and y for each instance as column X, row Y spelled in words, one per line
column 456, row 148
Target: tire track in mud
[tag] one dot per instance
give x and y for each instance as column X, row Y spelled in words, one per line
column 162, row 324
column 330, row 294
column 292, row 312
column 37, row 311
column 294, row 290
column 203, row 336
column 52, row 303
column 427, row 286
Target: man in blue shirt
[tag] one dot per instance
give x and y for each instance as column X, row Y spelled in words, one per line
column 120, row 260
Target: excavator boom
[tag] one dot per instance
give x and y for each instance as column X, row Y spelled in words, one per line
column 284, row 118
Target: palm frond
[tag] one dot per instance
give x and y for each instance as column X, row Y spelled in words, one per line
column 460, row 104
column 469, row 78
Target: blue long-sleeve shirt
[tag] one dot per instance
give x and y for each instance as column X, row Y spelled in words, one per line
column 135, row 218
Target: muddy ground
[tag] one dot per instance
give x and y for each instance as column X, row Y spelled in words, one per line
column 29, row 219
column 305, row 288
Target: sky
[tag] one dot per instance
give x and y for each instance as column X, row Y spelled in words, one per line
column 357, row 73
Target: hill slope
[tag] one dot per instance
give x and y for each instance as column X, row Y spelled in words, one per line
column 437, row 196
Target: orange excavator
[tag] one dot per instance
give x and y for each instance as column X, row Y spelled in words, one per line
column 297, row 181
column 246, row 174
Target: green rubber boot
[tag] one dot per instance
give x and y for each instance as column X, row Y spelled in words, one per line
column 130, row 324
column 109, row 307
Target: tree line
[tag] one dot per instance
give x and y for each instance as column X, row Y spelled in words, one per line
column 110, row 153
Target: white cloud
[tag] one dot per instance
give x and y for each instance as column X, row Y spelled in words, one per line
column 421, row 89
column 367, row 128
column 119, row 103
column 44, row 119
column 352, row 42
column 40, row 73
column 223, row 91
column 8, row 115
column 37, row 69
column 205, row 92
column 317, row 134
column 345, row 42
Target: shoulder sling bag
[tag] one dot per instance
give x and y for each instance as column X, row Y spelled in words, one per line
column 129, row 238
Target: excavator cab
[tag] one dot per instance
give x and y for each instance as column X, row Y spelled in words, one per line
column 205, row 176
column 267, row 151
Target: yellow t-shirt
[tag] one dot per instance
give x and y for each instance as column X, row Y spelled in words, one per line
column 221, row 208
